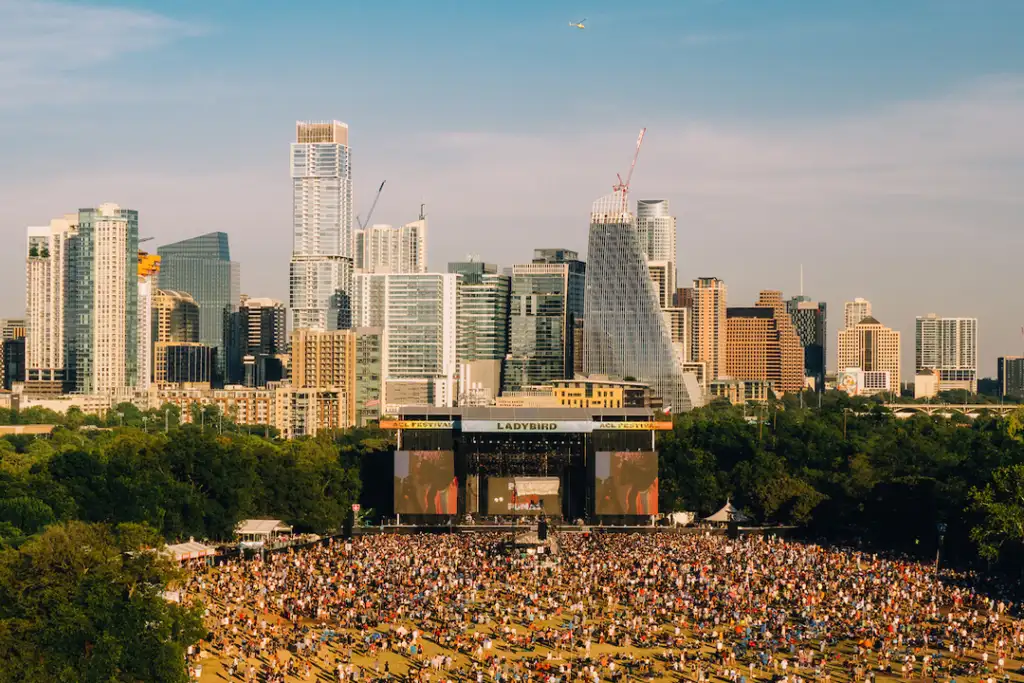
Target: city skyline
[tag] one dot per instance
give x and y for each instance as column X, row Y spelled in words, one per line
column 844, row 180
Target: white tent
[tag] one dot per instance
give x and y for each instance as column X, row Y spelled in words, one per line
column 728, row 513
column 192, row 550
column 261, row 529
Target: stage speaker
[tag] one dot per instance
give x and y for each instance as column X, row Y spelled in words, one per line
column 542, row 529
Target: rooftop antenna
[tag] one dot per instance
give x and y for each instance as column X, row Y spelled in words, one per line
column 423, row 216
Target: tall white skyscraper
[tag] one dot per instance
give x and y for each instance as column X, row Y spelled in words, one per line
column 656, row 228
column 321, row 267
column 855, row 311
column 948, row 346
column 420, row 356
column 45, row 298
column 386, row 249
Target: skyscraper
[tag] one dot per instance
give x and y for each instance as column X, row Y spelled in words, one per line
column 174, row 323
column 101, row 314
column 256, row 342
column 148, row 267
column 870, row 346
column 202, row 266
column 483, row 329
column 45, row 298
column 547, row 297
column 809, row 318
column 855, row 311
column 627, row 334
column 386, row 249
column 762, row 344
column 656, row 229
column 321, row 267
column 1010, row 374
column 949, row 346
column 420, row 363
column 707, row 300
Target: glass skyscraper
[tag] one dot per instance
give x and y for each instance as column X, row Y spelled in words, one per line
column 101, row 301
column 320, row 275
column 626, row 333
column 809, row 318
column 547, row 299
column 202, row 267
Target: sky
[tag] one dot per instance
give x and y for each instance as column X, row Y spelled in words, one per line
column 878, row 144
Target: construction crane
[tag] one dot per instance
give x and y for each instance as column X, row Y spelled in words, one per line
column 372, row 207
column 623, row 186
column 144, row 239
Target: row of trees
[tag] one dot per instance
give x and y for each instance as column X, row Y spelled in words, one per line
column 849, row 471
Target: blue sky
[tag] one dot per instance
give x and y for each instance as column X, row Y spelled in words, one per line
column 878, row 143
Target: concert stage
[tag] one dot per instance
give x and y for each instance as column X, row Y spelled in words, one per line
column 455, row 465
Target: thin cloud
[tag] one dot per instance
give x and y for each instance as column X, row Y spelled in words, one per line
column 46, row 47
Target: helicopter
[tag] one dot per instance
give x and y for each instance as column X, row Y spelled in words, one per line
column 577, row 25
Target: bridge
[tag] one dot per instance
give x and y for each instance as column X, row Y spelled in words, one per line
column 905, row 410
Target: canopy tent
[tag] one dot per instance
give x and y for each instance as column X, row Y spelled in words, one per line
column 260, row 529
column 537, row 486
column 193, row 550
column 728, row 513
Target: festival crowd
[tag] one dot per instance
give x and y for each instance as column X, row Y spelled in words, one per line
column 660, row 606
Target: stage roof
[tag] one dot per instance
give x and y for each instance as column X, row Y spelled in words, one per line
column 488, row 413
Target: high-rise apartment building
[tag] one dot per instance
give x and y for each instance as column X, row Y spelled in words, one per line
column 13, row 328
column 656, row 229
column 174, row 322
column 101, row 301
column 420, row 364
column 387, row 249
column 320, row 280
column 950, row 347
column 483, row 330
column 1010, row 374
column 257, row 342
column 707, row 302
column 855, row 311
column 148, row 267
column 326, row 359
column 762, row 344
column 202, row 266
column 45, row 299
column 546, row 299
column 627, row 334
column 871, row 347
column 369, row 373
column 368, row 299
column 809, row 318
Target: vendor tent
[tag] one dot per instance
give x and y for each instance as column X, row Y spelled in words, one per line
column 260, row 529
column 728, row 513
column 193, row 550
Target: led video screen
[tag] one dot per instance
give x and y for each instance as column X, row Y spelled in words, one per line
column 626, row 483
column 425, row 483
column 524, row 496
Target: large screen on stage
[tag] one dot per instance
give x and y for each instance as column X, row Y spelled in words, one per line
column 626, row 483
column 425, row 483
column 524, row 496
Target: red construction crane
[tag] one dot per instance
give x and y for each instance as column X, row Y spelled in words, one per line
column 624, row 186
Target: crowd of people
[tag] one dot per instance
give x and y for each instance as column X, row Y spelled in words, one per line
column 659, row 606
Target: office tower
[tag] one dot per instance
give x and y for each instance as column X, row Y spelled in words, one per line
column 949, row 346
column 368, row 299
column 546, row 299
column 175, row 322
column 870, row 346
column 809, row 318
column 101, row 301
column 1010, row 375
column 45, row 297
column 579, row 346
column 321, row 266
column 369, row 373
column 189, row 364
column 707, row 302
column 148, row 267
column 12, row 362
column 483, row 330
column 385, row 249
column 257, row 342
column 627, row 334
column 12, row 328
column 762, row 344
column 855, row 311
column 420, row 364
column 656, row 229
column 202, row 266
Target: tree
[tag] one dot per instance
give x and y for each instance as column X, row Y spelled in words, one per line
column 1001, row 504
column 84, row 602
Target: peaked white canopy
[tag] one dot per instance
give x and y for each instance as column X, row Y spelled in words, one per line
column 728, row 513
